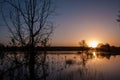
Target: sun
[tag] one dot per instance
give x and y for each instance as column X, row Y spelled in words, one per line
column 93, row 44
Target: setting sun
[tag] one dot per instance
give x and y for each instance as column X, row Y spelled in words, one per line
column 93, row 44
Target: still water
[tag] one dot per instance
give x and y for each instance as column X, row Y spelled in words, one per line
column 69, row 65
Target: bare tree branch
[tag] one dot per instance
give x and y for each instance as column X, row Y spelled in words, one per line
column 29, row 19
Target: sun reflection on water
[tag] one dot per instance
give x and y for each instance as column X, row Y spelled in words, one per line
column 94, row 55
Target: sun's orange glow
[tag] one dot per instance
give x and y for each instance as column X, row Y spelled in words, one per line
column 93, row 44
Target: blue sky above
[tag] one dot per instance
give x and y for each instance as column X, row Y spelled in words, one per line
column 82, row 20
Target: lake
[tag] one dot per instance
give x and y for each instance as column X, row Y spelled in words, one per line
column 59, row 65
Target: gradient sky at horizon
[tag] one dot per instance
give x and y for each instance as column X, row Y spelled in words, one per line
column 90, row 20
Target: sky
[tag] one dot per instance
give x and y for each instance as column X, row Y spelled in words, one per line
column 76, row 20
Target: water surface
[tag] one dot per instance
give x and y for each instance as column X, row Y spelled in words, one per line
column 60, row 65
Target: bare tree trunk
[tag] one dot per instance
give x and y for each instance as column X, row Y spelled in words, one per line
column 32, row 66
column 29, row 24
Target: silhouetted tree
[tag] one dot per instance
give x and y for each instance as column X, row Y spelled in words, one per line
column 105, row 47
column 29, row 24
column 83, row 45
column 28, row 20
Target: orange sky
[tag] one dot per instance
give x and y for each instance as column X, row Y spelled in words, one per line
column 91, row 20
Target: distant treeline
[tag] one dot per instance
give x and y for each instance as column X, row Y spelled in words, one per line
column 105, row 48
column 38, row 48
column 112, row 49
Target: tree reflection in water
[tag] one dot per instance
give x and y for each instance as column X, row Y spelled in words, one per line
column 46, row 66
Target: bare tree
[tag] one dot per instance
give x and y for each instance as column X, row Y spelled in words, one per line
column 83, row 43
column 29, row 24
column 28, row 20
